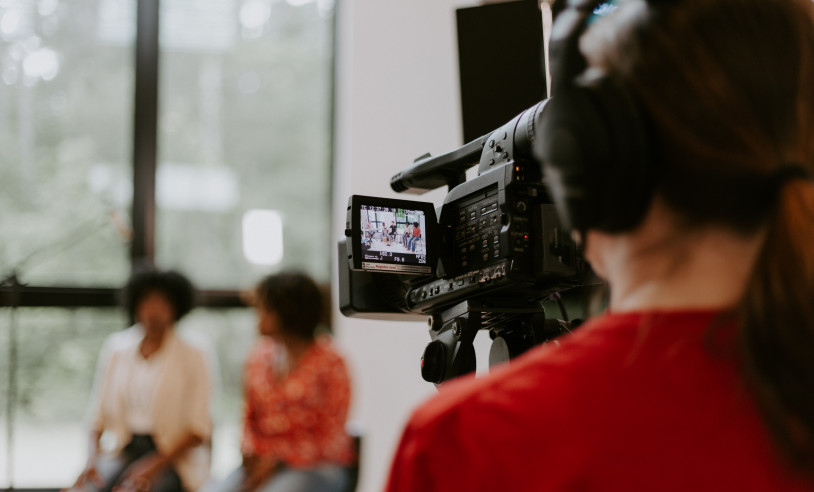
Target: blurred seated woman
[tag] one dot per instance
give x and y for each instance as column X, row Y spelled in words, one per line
column 152, row 393
column 297, row 393
column 416, row 237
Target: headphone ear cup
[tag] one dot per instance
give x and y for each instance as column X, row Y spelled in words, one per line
column 570, row 139
column 594, row 148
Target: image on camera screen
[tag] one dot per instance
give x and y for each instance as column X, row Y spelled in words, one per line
column 393, row 239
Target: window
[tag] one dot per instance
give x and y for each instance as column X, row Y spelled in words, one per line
column 243, row 129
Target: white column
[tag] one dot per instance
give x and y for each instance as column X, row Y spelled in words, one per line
column 397, row 98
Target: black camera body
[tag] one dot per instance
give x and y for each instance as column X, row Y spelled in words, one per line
column 494, row 247
column 501, row 246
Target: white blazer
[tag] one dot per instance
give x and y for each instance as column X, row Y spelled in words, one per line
column 182, row 403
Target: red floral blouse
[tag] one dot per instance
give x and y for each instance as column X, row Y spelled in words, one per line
column 298, row 419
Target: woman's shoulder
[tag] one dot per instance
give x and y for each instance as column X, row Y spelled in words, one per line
column 262, row 350
column 325, row 349
column 121, row 343
column 546, row 373
column 608, row 359
column 325, row 358
column 124, row 338
column 193, row 341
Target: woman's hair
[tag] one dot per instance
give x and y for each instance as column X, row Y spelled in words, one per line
column 296, row 300
column 728, row 86
column 176, row 288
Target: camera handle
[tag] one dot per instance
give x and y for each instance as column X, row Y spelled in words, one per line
column 428, row 173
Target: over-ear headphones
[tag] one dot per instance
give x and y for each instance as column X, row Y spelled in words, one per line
column 592, row 140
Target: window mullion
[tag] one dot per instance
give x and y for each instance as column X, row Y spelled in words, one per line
column 145, row 132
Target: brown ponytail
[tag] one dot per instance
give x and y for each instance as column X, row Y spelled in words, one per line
column 778, row 325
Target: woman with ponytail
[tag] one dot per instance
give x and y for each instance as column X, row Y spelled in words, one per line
column 700, row 374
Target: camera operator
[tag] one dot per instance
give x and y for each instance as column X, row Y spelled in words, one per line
column 700, row 375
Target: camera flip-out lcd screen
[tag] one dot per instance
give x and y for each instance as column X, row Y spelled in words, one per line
column 389, row 235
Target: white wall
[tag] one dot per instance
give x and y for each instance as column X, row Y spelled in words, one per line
column 397, row 98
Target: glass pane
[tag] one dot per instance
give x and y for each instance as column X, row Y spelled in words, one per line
column 244, row 126
column 56, row 353
column 66, row 95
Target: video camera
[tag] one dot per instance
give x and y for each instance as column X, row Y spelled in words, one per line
column 487, row 258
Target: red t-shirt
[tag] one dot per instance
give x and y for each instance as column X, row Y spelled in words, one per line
column 298, row 419
column 628, row 402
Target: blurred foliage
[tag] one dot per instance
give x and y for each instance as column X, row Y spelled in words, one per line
column 270, row 124
column 65, row 107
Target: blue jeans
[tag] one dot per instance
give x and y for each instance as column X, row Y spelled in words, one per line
column 111, row 468
column 324, row 478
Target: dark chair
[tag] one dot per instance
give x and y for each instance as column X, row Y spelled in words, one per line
column 353, row 468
